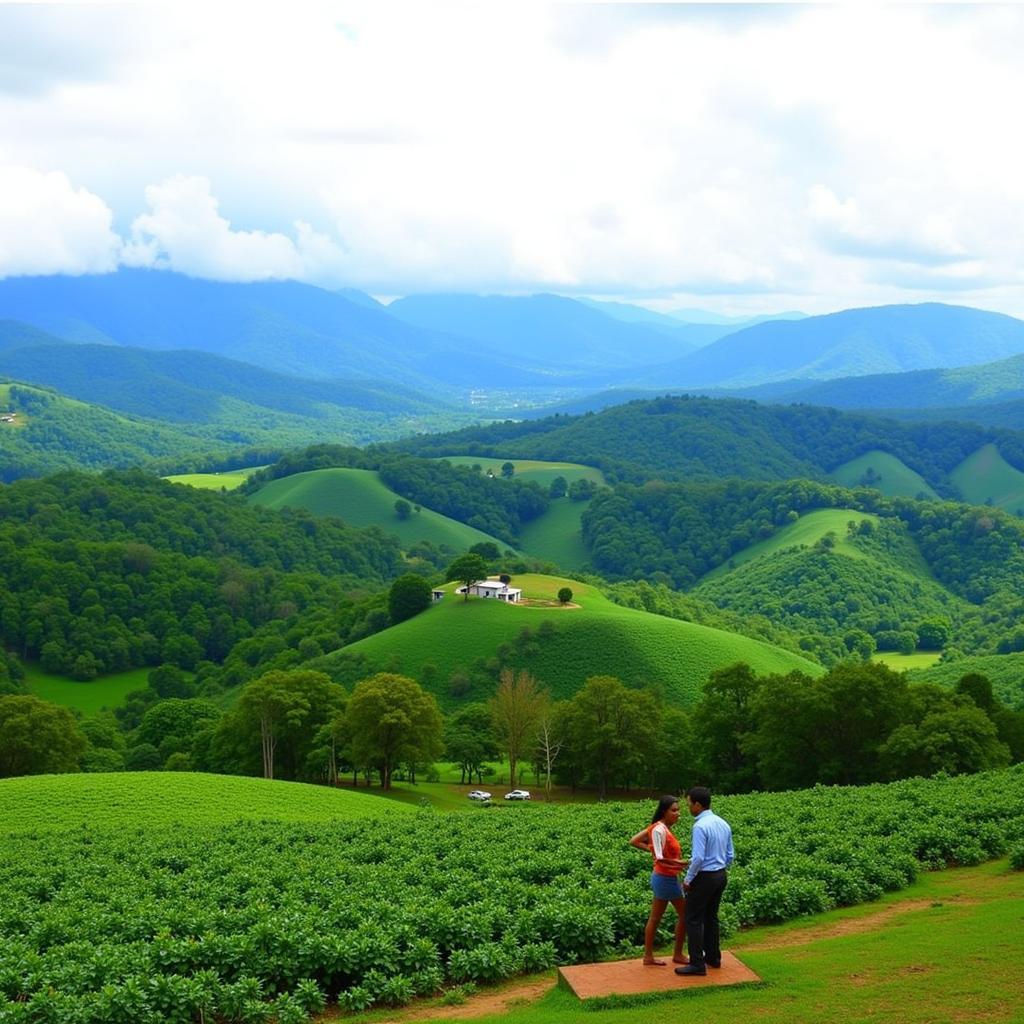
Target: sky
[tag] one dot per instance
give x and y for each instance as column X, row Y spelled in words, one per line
column 737, row 158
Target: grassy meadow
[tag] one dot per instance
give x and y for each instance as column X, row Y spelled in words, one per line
column 532, row 469
column 360, row 498
column 907, row 662
column 555, row 536
column 104, row 692
column 143, row 800
column 987, row 478
column 592, row 637
column 895, row 478
column 226, row 481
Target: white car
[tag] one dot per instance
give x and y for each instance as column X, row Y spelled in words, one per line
column 478, row 794
column 518, row 794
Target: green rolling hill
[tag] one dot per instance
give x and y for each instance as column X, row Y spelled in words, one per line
column 874, row 580
column 885, row 473
column 360, row 498
column 561, row 647
column 532, row 469
column 1004, row 671
column 987, row 478
column 141, row 800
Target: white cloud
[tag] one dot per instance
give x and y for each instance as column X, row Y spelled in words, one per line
column 47, row 226
column 800, row 156
column 184, row 231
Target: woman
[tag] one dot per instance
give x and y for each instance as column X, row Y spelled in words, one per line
column 657, row 839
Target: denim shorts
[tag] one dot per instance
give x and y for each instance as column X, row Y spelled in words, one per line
column 666, row 887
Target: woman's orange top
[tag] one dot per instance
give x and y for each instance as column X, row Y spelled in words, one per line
column 664, row 845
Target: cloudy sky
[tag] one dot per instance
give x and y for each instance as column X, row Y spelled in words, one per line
column 737, row 158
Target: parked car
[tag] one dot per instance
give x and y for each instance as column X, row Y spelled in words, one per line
column 478, row 794
column 518, row 794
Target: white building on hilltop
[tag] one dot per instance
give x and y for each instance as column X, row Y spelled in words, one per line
column 493, row 588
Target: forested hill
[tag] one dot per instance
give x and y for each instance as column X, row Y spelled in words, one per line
column 884, row 339
column 105, row 572
column 686, row 438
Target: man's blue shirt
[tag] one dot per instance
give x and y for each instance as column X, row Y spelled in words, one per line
column 712, row 845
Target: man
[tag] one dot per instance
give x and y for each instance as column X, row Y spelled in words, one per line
column 711, row 853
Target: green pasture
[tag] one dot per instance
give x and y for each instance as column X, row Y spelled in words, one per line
column 987, row 478
column 896, row 479
column 906, row 662
column 555, row 536
column 1004, row 671
column 532, row 469
column 939, row 952
column 360, row 498
column 807, row 530
column 596, row 637
column 227, row 481
column 139, row 800
column 104, row 692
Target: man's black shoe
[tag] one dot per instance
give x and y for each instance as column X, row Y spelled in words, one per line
column 691, row 969
column 714, row 963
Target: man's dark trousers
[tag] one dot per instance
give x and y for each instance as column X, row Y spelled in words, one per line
column 702, row 901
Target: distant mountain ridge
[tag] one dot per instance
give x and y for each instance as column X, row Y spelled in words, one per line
column 854, row 342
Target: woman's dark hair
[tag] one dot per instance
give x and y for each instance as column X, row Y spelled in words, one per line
column 662, row 809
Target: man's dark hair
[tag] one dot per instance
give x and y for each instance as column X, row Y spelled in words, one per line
column 700, row 795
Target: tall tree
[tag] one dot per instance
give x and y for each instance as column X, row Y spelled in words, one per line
column 469, row 740
column 409, row 595
column 516, row 711
column 467, row 569
column 614, row 731
column 550, row 740
column 391, row 718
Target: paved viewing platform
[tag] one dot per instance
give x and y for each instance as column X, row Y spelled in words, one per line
column 631, row 977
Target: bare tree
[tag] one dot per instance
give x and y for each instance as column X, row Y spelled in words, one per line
column 549, row 746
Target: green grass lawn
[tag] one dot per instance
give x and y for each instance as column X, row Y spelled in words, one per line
column 595, row 638
column 946, row 950
column 986, row 477
column 896, row 479
column 144, row 799
column 360, row 498
column 227, row 481
column 532, row 469
column 807, row 530
column 105, row 692
column 905, row 662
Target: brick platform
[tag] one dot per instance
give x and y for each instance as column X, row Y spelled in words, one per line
column 630, row 977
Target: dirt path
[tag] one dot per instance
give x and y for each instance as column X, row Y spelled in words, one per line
column 482, row 1004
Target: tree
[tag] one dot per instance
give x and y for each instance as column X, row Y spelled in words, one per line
column 469, row 740
column 726, row 721
column 516, row 710
column 403, row 509
column 613, row 730
column 558, row 488
column 467, row 570
column 953, row 740
column 582, row 489
column 933, row 634
column 409, row 595
column 550, row 740
column 507, row 470
column 564, row 595
column 486, row 549
column 271, row 703
column 38, row 738
column 391, row 718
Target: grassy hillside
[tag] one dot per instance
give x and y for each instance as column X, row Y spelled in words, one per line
column 226, row 481
column 532, row 469
column 555, row 536
column 885, row 473
column 594, row 638
column 141, row 800
column 105, row 692
column 1004, row 671
column 987, row 478
column 360, row 498
column 807, row 530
